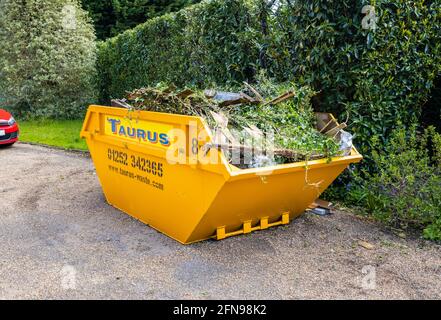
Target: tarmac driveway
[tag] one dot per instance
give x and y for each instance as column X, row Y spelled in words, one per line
column 60, row 239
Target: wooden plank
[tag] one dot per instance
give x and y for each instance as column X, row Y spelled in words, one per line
column 256, row 93
column 333, row 132
column 185, row 93
column 120, row 104
column 281, row 98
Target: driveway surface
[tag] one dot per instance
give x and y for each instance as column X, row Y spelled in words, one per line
column 59, row 239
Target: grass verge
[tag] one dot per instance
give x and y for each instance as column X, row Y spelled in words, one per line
column 58, row 133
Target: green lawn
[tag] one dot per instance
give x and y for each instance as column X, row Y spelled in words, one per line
column 58, row 133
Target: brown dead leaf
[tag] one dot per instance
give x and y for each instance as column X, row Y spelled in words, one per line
column 366, row 245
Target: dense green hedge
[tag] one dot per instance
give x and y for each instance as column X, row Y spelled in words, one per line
column 113, row 17
column 379, row 76
column 212, row 42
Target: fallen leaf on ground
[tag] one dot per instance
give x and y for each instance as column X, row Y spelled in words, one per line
column 366, row 245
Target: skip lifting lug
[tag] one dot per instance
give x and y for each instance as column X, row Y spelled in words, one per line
column 247, row 228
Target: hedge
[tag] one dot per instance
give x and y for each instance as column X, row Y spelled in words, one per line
column 47, row 58
column 377, row 77
column 211, row 42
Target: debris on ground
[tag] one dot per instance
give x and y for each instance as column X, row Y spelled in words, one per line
column 320, row 207
column 366, row 245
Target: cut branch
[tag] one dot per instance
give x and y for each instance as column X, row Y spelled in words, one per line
column 281, row 98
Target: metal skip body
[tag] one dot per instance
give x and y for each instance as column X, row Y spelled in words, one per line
column 153, row 167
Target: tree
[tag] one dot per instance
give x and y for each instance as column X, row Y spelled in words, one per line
column 114, row 16
column 103, row 16
column 47, row 57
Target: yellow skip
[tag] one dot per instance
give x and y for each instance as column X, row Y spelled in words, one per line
column 154, row 167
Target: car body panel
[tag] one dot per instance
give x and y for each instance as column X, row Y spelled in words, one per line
column 10, row 132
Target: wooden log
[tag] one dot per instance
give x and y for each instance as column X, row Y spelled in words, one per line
column 227, row 103
column 120, row 104
column 334, row 131
column 185, row 93
column 280, row 98
column 256, row 93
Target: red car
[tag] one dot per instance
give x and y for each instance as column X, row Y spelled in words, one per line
column 8, row 128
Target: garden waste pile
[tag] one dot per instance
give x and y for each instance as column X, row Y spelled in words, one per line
column 222, row 149
column 259, row 126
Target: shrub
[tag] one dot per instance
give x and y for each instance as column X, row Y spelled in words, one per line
column 47, row 58
column 211, row 42
column 380, row 77
column 404, row 190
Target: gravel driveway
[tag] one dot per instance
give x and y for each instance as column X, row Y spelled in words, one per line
column 59, row 239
